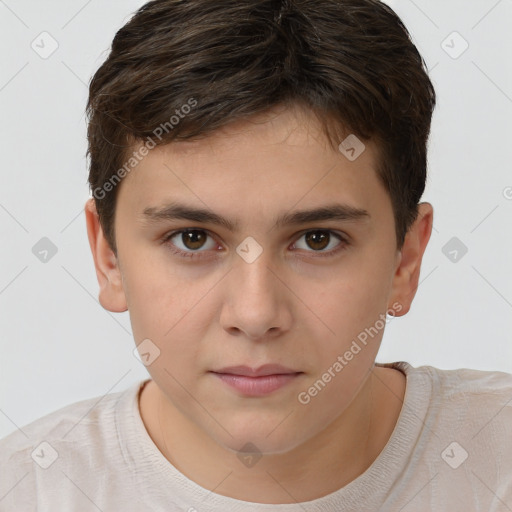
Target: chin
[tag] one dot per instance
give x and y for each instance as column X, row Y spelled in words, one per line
column 260, row 437
column 249, row 444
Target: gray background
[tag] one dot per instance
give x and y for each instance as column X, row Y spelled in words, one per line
column 58, row 345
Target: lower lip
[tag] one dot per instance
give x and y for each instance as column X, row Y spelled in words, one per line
column 257, row 386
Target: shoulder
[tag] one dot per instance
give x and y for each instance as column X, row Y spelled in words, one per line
column 61, row 424
column 463, row 393
column 481, row 402
column 469, row 420
column 468, row 386
column 75, row 435
column 461, row 383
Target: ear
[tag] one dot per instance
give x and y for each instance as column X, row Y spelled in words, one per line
column 407, row 273
column 111, row 296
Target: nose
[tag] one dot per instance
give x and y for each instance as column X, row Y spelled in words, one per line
column 257, row 300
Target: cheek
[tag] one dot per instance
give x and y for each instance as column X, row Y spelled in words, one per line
column 352, row 310
column 157, row 299
column 173, row 310
column 353, row 303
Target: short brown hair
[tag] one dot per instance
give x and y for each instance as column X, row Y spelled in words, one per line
column 350, row 62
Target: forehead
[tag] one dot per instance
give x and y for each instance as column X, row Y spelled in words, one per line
column 291, row 125
column 279, row 158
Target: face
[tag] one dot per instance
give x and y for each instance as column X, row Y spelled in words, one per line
column 265, row 286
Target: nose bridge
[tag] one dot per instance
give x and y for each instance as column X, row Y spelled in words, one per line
column 256, row 303
column 254, row 276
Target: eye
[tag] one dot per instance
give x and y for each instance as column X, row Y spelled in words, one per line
column 188, row 242
column 320, row 239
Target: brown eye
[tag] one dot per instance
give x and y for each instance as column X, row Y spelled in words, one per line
column 190, row 241
column 193, row 239
column 318, row 240
column 321, row 241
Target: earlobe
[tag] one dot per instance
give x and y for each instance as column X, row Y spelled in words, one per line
column 407, row 273
column 111, row 296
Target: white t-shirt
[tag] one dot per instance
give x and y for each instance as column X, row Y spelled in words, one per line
column 451, row 450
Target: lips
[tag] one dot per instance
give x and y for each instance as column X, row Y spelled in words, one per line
column 256, row 382
column 266, row 369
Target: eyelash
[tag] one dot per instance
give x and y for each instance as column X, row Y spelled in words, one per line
column 198, row 254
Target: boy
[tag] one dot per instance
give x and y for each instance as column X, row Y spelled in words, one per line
column 256, row 170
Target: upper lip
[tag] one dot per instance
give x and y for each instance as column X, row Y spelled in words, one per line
column 266, row 369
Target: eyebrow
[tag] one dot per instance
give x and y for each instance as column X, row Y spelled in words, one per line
column 176, row 211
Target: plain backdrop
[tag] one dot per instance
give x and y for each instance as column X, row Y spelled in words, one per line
column 58, row 345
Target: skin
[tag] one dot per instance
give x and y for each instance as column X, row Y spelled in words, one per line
column 289, row 306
